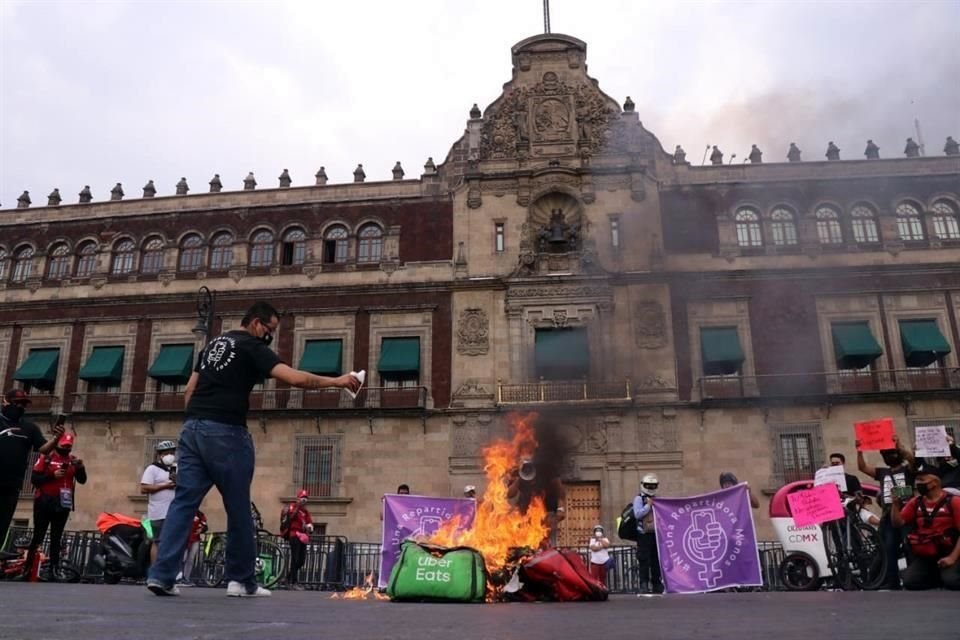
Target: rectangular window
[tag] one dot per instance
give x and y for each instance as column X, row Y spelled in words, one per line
column 615, row 232
column 500, row 240
column 399, row 363
column 317, row 464
column 799, row 452
column 562, row 354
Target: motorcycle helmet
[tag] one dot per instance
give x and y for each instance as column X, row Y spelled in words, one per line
column 649, row 484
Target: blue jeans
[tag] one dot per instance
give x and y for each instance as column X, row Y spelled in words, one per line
column 211, row 454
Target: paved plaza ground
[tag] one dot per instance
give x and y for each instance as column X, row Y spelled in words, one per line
column 100, row 612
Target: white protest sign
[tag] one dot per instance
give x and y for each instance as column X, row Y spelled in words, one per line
column 932, row 442
column 832, row 474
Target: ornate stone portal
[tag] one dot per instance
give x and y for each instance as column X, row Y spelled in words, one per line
column 473, row 333
column 554, row 238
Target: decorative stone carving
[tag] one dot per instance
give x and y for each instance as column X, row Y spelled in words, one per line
column 53, row 200
column 471, row 432
column 285, row 180
column 872, row 152
column 249, row 183
column 429, row 167
column 833, row 151
column 657, row 432
column 650, row 326
column 359, row 175
column 473, row 333
column 793, row 153
column 182, row 187
column 560, row 318
column 321, row 176
column 397, row 171
column 216, row 186
column 475, row 112
column 85, row 195
column 24, row 200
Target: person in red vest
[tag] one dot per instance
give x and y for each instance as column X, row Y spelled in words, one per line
column 55, row 477
column 296, row 525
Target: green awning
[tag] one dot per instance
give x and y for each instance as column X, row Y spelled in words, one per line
column 923, row 344
column 105, row 364
column 722, row 354
column 562, row 354
column 323, row 357
column 173, row 365
column 39, row 369
column 399, row 355
column 854, row 345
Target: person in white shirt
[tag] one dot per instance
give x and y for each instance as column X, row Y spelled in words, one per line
column 159, row 483
column 599, row 556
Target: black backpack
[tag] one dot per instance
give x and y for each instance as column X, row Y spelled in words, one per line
column 627, row 530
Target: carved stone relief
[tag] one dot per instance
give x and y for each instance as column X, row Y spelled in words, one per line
column 657, row 432
column 471, row 432
column 650, row 326
column 473, row 333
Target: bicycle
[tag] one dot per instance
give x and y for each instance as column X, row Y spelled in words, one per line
column 854, row 550
column 13, row 565
column 270, row 561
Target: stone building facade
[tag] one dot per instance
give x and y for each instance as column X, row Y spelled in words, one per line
column 660, row 317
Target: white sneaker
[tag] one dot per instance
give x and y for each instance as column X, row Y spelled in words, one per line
column 238, row 590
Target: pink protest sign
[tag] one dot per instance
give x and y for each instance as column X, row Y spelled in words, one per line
column 874, row 435
column 813, row 506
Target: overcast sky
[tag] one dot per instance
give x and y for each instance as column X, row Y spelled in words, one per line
column 104, row 92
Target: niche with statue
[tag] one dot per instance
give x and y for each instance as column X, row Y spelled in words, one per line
column 555, row 237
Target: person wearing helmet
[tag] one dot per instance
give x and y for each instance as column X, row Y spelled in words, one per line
column 599, row 554
column 648, row 559
column 216, row 448
column 158, row 483
column 295, row 526
column 470, row 492
column 55, row 477
column 18, row 437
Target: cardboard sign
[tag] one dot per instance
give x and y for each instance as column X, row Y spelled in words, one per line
column 831, row 475
column 874, row 435
column 932, row 442
column 817, row 505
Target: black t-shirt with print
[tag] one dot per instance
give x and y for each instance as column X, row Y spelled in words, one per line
column 229, row 367
column 16, row 443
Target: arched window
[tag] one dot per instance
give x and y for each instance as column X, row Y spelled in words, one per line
column 783, row 227
column 221, row 251
column 152, row 261
column 335, row 245
column 370, row 243
column 3, row 264
column 59, row 262
column 87, row 263
column 123, row 257
column 22, row 264
column 294, row 250
column 748, row 228
column 261, row 249
column 191, row 253
column 828, row 226
column 945, row 220
column 909, row 224
column 864, row 225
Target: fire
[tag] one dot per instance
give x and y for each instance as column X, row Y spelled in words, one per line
column 499, row 528
column 361, row 593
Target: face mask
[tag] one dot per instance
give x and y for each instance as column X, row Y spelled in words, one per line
column 64, row 452
column 892, row 461
column 267, row 339
column 13, row 412
column 168, row 459
column 923, row 489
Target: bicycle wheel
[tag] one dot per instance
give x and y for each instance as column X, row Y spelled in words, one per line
column 798, row 572
column 868, row 562
column 271, row 563
column 69, row 572
column 214, row 557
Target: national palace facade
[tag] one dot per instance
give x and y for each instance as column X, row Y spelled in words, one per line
column 661, row 317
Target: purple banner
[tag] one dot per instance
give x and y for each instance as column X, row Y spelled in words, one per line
column 415, row 516
column 707, row 542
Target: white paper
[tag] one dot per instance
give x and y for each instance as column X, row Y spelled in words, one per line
column 361, row 376
column 932, row 442
column 834, row 474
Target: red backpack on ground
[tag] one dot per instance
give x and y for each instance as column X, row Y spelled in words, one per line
column 561, row 576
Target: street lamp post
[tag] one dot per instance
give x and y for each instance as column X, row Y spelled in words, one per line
column 206, row 312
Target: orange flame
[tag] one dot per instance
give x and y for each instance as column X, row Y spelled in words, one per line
column 498, row 526
column 360, row 593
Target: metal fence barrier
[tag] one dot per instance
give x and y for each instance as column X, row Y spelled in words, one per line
column 333, row 562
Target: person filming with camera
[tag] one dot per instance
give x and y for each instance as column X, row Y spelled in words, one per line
column 55, row 477
column 934, row 558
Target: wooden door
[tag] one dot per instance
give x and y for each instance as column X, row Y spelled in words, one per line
column 583, row 513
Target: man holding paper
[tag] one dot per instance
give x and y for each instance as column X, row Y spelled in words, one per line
column 215, row 447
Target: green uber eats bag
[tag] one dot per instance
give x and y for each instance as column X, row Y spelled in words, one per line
column 429, row 573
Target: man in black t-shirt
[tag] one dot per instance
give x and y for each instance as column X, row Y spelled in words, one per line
column 18, row 437
column 215, row 448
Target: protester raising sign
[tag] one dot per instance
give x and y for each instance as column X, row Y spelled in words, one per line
column 813, row 506
column 874, row 435
column 707, row 542
column 832, row 474
column 406, row 516
column 932, row 442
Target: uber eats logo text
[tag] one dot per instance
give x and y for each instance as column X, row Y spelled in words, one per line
column 430, row 569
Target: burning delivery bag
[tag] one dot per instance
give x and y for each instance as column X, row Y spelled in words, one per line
column 430, row 573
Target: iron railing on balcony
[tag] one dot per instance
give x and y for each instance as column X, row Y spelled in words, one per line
column 268, row 399
column 830, row 383
column 546, row 391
